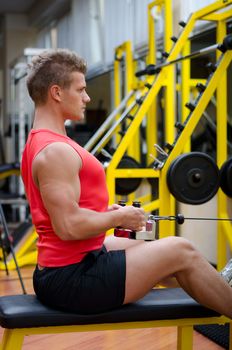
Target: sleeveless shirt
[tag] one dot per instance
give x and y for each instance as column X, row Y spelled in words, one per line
column 52, row 251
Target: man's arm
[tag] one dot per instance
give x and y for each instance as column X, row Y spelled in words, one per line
column 55, row 172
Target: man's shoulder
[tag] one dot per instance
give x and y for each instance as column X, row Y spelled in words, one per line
column 57, row 156
column 58, row 150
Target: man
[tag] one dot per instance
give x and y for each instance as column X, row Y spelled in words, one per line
column 79, row 269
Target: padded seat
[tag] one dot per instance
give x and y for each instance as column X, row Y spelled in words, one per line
column 22, row 311
column 24, row 315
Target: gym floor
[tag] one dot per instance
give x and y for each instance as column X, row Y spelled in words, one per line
column 159, row 338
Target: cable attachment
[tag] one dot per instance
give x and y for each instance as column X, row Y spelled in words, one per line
column 179, row 218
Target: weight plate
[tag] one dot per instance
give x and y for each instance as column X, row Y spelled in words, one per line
column 193, row 178
column 125, row 186
column 226, row 177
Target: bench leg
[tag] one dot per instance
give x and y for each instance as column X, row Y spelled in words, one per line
column 12, row 339
column 185, row 338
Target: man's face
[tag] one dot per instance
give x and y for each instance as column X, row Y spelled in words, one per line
column 75, row 98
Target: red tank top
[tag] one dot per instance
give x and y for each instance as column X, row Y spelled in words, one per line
column 52, row 251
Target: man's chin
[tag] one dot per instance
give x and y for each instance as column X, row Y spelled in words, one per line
column 77, row 118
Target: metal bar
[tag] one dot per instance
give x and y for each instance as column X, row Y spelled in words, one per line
column 154, row 69
column 175, row 218
column 221, row 152
column 212, row 219
column 4, row 254
column 107, row 136
column 218, row 16
column 215, row 6
column 185, row 88
column 11, row 248
column 107, row 122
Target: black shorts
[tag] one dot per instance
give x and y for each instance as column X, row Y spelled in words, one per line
column 94, row 285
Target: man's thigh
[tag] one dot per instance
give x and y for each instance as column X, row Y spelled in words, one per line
column 117, row 243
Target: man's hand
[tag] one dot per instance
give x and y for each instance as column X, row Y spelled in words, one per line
column 132, row 218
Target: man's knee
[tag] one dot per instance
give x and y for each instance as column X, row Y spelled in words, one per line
column 179, row 241
column 184, row 249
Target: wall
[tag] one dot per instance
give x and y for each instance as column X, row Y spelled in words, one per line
column 17, row 36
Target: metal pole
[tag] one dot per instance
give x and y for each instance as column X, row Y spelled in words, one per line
column 154, row 69
column 106, row 123
column 107, row 136
column 11, row 247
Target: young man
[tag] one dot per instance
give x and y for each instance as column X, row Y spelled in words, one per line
column 79, row 269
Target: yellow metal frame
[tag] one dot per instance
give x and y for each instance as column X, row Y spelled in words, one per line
column 124, row 52
column 188, row 85
column 169, row 84
column 190, row 126
column 13, row 338
column 164, row 203
column 224, row 231
column 8, row 173
column 26, row 253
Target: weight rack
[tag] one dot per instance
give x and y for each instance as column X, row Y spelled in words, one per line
column 217, row 82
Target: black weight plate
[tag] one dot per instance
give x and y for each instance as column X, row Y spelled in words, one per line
column 193, row 178
column 125, row 186
column 226, row 177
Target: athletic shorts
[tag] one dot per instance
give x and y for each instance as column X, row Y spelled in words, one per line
column 94, row 285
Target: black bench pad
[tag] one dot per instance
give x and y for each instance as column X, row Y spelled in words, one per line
column 25, row 311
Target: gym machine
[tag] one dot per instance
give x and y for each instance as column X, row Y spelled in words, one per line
column 150, row 231
column 149, row 98
column 219, row 12
column 145, row 96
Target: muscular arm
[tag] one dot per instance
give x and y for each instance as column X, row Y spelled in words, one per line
column 55, row 171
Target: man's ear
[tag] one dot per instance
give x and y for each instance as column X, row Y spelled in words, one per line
column 55, row 92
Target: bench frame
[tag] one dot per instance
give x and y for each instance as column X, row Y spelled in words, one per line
column 13, row 338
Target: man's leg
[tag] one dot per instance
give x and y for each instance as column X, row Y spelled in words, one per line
column 116, row 243
column 148, row 263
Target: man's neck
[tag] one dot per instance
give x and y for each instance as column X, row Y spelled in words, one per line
column 45, row 118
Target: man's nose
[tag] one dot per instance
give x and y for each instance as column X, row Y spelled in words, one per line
column 87, row 98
